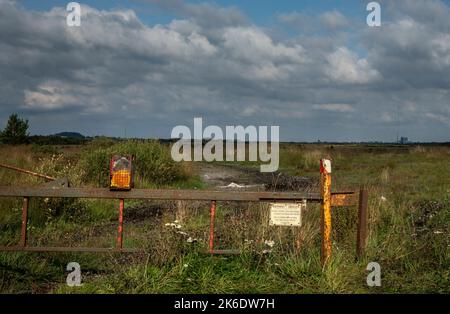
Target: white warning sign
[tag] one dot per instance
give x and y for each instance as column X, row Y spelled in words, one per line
column 286, row 214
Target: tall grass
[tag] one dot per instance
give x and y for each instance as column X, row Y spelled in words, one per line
column 409, row 218
column 153, row 164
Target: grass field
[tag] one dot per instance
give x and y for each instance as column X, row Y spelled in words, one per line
column 409, row 222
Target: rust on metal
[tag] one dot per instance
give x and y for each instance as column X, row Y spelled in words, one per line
column 68, row 249
column 121, row 172
column 225, row 252
column 120, row 228
column 325, row 197
column 97, row 250
column 211, row 226
column 151, row 194
column 23, row 235
column 325, row 169
column 362, row 223
column 43, row 176
column 340, row 199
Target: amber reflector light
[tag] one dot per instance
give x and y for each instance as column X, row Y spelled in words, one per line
column 121, row 172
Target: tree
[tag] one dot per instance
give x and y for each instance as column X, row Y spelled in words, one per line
column 15, row 131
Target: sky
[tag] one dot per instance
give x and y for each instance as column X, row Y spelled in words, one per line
column 139, row 68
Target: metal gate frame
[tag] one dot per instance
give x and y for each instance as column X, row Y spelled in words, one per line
column 326, row 198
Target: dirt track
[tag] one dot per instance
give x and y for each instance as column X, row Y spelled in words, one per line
column 238, row 177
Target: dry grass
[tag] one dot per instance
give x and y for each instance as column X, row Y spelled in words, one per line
column 409, row 235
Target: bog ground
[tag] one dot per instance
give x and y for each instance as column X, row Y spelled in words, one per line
column 409, row 222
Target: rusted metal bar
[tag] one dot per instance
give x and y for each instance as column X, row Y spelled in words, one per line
column 23, row 235
column 211, row 226
column 326, row 197
column 27, row 172
column 96, row 250
column 225, row 252
column 325, row 170
column 362, row 223
column 150, row 194
column 68, row 249
column 344, row 199
column 120, row 228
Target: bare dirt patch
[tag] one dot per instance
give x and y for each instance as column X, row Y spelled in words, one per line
column 238, row 177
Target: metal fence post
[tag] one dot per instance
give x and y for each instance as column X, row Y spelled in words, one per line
column 120, row 228
column 211, row 226
column 362, row 222
column 325, row 171
column 343, row 198
column 23, row 235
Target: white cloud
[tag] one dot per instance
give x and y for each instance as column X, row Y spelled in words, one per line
column 438, row 117
column 48, row 96
column 333, row 19
column 251, row 44
column 334, row 107
column 211, row 61
column 441, row 50
column 344, row 66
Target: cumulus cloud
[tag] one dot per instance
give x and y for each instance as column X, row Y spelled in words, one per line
column 48, row 96
column 334, row 107
column 346, row 67
column 334, row 20
column 212, row 61
column 206, row 15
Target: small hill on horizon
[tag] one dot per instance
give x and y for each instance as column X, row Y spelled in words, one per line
column 70, row 135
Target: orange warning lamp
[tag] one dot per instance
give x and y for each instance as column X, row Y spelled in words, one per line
column 121, row 172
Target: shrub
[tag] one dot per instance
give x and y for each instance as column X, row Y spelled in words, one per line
column 153, row 163
column 16, row 130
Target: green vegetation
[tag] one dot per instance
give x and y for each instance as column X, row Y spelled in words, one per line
column 15, row 131
column 153, row 164
column 409, row 188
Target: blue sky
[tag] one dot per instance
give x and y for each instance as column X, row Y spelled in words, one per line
column 314, row 68
column 260, row 11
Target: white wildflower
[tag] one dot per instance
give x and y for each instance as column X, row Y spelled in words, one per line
column 269, row 243
column 173, row 225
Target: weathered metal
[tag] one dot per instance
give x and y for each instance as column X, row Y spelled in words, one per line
column 325, row 170
column 68, row 249
column 361, row 237
column 23, row 235
column 27, row 172
column 120, row 228
column 192, row 195
column 121, row 172
column 211, row 226
column 225, row 252
column 325, row 197
column 344, row 199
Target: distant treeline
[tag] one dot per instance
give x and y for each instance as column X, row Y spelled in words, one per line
column 56, row 140
column 60, row 139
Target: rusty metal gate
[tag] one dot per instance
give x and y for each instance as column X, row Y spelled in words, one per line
column 326, row 198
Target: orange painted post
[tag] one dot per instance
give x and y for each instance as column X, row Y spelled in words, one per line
column 23, row 236
column 325, row 184
column 120, row 229
column 211, row 227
